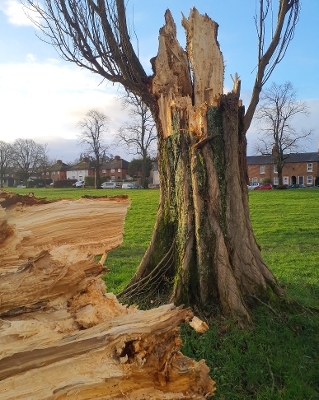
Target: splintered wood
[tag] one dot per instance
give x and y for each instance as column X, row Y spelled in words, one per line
column 174, row 85
column 61, row 335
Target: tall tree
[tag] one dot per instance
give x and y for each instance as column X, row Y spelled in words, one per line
column 138, row 134
column 29, row 158
column 93, row 130
column 276, row 112
column 137, row 165
column 5, row 160
column 203, row 250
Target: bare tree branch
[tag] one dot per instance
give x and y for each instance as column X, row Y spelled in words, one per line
column 138, row 134
column 288, row 14
column 28, row 157
column 276, row 112
column 93, row 34
column 93, row 129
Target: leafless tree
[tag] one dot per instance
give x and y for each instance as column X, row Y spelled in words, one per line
column 276, row 112
column 29, row 158
column 5, row 160
column 203, row 252
column 138, row 134
column 93, row 130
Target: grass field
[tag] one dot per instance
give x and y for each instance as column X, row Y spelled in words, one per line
column 279, row 357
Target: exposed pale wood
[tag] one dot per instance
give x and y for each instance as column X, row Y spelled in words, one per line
column 172, row 83
column 205, row 57
column 61, row 335
column 198, row 325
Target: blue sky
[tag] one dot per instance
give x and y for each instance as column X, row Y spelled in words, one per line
column 43, row 97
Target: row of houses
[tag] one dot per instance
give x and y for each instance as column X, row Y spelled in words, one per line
column 115, row 169
column 299, row 168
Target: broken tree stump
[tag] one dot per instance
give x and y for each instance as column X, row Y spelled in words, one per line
column 61, row 335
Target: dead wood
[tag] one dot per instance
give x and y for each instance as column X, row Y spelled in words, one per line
column 61, row 335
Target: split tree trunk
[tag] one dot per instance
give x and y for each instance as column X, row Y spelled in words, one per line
column 203, row 250
column 61, row 335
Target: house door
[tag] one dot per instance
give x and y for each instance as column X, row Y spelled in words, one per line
column 300, row 180
column 293, row 180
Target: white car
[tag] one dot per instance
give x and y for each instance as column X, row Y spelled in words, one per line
column 108, row 185
column 128, row 186
column 78, row 184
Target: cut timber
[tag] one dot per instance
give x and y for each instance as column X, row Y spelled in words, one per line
column 61, row 335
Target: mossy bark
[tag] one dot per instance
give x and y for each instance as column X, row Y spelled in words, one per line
column 203, row 252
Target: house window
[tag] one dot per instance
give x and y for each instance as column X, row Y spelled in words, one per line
column 275, row 169
column 112, row 171
column 309, row 167
column 276, row 180
column 103, row 171
column 262, row 169
column 285, row 180
column 255, row 181
column 119, row 170
column 309, row 180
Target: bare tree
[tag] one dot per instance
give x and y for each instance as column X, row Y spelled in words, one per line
column 29, row 158
column 276, row 112
column 5, row 160
column 138, row 134
column 93, row 130
column 203, row 252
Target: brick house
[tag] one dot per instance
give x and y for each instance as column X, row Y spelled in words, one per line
column 300, row 168
column 116, row 169
column 57, row 172
column 80, row 170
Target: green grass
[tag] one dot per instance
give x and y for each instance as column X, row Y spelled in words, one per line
column 279, row 357
column 286, row 225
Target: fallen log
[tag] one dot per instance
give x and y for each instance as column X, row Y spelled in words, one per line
column 61, row 335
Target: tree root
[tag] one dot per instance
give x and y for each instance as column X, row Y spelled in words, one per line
column 147, row 286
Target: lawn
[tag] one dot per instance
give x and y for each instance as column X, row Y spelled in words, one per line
column 279, row 357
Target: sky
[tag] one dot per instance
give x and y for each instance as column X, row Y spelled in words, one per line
column 43, row 97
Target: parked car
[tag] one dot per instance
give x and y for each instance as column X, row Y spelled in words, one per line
column 128, row 186
column 295, row 186
column 252, row 186
column 108, row 185
column 78, row 184
column 265, row 186
column 21, row 186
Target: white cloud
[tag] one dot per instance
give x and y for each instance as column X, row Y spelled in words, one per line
column 16, row 12
column 30, row 57
column 42, row 100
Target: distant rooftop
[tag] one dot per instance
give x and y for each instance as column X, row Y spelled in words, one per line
column 291, row 158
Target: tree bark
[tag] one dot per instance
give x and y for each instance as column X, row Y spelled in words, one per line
column 61, row 335
column 203, row 252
